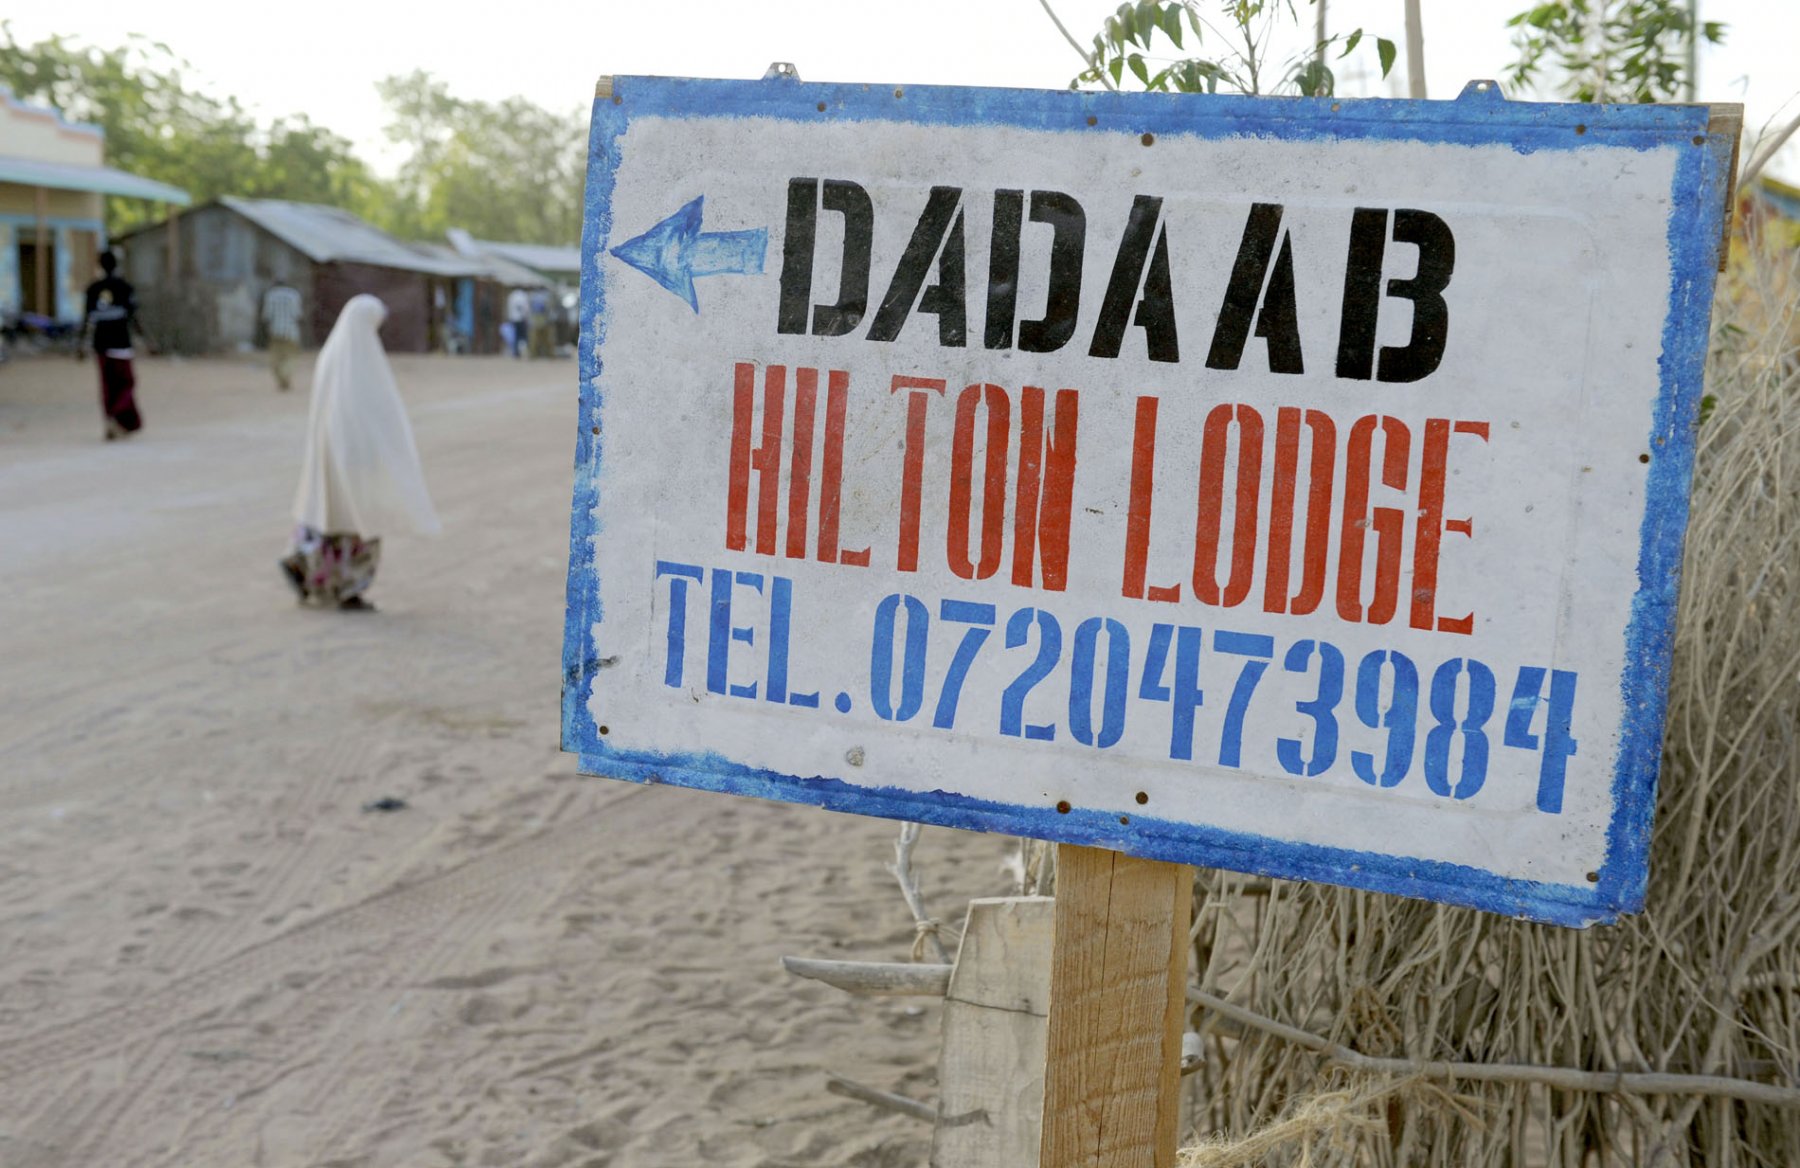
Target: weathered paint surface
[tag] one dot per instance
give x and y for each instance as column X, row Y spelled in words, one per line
column 1278, row 484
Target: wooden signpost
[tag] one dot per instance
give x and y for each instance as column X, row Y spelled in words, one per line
column 1118, row 1006
column 1255, row 483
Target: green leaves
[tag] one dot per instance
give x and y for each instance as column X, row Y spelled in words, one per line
column 1134, row 32
column 1141, row 39
column 1190, row 76
column 1315, row 79
column 1385, row 49
column 1135, row 24
column 1149, row 15
column 1608, row 50
column 1171, row 23
column 1543, row 16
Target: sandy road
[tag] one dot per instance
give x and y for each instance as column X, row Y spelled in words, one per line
column 211, row 955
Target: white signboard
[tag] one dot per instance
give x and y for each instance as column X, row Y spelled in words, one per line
column 1286, row 485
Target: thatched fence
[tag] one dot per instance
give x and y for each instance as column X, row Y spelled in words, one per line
column 1347, row 1028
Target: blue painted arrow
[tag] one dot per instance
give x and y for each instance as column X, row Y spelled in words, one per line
column 675, row 251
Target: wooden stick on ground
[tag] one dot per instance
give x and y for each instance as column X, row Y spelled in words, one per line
column 890, row 978
column 851, row 1089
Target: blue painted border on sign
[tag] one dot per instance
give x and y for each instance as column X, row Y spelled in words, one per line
column 1479, row 118
column 1146, row 836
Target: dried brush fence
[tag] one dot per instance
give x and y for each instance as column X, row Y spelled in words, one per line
column 1350, row 1029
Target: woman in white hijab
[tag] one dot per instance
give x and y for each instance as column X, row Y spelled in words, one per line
column 361, row 476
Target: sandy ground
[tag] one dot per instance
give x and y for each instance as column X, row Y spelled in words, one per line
column 212, row 955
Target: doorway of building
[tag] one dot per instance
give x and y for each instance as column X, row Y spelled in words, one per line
column 31, row 255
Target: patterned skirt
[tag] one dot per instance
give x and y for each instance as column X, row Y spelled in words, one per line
column 331, row 570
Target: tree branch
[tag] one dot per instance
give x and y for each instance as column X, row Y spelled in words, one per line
column 1564, row 1078
column 925, row 925
column 1766, row 150
column 1076, row 45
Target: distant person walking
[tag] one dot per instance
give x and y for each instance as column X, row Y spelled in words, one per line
column 107, row 325
column 281, row 312
column 361, row 475
column 518, row 314
column 543, row 338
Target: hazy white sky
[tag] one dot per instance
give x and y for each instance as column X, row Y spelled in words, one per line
column 323, row 58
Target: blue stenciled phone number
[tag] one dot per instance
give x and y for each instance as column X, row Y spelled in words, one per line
column 1384, row 687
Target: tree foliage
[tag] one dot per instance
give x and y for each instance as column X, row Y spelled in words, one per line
column 1609, row 50
column 309, row 164
column 1127, row 41
column 506, row 170
column 160, row 126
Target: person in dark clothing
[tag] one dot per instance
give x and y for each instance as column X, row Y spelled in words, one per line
column 107, row 325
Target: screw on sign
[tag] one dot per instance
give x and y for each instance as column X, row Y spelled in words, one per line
column 1269, row 498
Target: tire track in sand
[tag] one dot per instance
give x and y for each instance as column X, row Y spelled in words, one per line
column 373, row 943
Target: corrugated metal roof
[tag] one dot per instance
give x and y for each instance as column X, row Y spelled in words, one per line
column 497, row 268
column 332, row 235
column 557, row 261
column 104, row 180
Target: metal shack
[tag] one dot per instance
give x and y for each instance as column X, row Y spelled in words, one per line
column 532, row 265
column 477, row 306
column 228, row 251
